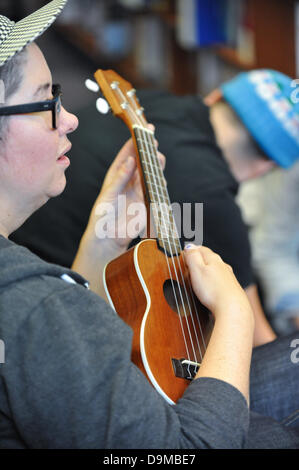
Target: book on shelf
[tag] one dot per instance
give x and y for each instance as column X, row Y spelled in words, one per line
column 227, row 23
column 200, row 23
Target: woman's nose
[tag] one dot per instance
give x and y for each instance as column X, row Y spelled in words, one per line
column 68, row 122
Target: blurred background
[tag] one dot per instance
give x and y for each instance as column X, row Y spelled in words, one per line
column 184, row 46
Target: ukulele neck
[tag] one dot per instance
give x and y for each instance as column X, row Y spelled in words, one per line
column 156, row 192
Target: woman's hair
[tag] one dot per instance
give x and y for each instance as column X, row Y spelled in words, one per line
column 11, row 75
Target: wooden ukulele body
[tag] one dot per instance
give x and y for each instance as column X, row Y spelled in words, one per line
column 147, row 290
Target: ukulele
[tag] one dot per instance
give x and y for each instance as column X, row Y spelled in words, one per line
column 149, row 285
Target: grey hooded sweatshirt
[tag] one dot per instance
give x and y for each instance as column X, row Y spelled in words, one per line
column 68, row 382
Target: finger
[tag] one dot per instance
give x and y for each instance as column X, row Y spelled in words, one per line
column 151, row 127
column 229, row 267
column 122, row 156
column 126, row 151
column 136, row 183
column 209, row 255
column 162, row 160
column 193, row 255
column 122, row 177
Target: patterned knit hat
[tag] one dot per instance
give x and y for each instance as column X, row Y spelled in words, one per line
column 15, row 36
column 266, row 102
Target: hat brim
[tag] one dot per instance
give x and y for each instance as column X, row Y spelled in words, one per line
column 29, row 29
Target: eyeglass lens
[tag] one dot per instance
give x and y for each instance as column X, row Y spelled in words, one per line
column 57, row 112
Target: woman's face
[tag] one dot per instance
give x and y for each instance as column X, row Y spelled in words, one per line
column 32, row 160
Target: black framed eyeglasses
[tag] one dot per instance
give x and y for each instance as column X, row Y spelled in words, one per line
column 53, row 105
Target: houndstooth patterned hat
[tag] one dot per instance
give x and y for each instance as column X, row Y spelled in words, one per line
column 15, row 36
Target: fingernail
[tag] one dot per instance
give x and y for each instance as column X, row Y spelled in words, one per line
column 189, row 246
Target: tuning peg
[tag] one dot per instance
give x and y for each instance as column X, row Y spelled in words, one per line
column 114, row 85
column 140, row 111
column 92, row 86
column 131, row 93
column 102, row 106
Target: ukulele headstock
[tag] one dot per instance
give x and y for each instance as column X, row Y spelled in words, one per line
column 121, row 97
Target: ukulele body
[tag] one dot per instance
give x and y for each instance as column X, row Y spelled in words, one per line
column 147, row 290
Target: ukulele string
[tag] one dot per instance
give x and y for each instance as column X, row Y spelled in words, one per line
column 153, row 154
column 154, row 151
column 189, row 285
column 137, row 115
column 174, row 229
column 141, row 125
column 147, row 170
column 140, row 122
column 195, row 308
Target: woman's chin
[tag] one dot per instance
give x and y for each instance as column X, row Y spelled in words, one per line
column 58, row 188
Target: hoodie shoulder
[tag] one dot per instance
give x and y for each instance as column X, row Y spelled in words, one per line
column 18, row 265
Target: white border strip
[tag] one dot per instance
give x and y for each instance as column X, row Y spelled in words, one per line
column 106, row 288
column 142, row 348
column 141, row 339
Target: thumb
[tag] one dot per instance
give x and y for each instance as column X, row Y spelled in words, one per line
column 193, row 256
column 123, row 175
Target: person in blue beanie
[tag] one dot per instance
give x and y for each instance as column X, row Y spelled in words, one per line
column 256, row 119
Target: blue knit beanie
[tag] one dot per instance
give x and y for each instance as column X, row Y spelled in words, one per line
column 266, row 102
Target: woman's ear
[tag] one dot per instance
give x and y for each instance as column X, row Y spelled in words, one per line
column 260, row 166
column 244, row 170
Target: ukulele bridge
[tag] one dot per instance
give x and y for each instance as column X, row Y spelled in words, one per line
column 184, row 368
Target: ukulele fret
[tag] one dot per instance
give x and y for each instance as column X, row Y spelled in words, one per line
column 157, row 196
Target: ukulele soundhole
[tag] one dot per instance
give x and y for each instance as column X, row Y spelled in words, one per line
column 176, row 295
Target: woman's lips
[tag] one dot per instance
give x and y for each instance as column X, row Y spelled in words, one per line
column 63, row 159
column 66, row 150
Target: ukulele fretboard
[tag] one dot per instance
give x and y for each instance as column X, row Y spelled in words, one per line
column 161, row 210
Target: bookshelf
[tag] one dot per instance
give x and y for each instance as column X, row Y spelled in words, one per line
column 274, row 39
column 156, row 57
column 275, row 34
column 229, row 55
